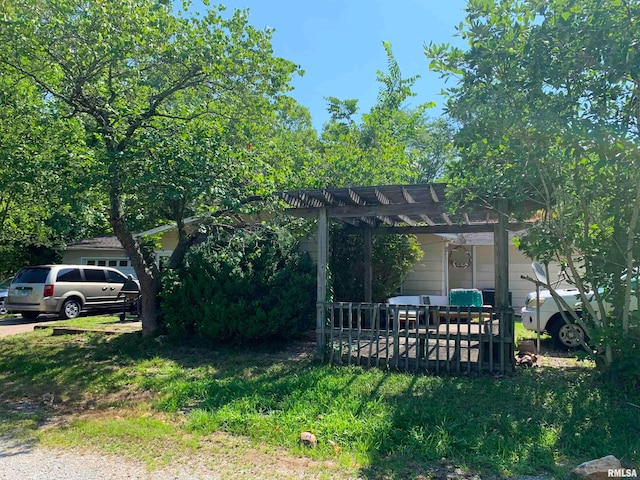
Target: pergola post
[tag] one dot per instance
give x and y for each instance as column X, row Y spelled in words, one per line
column 368, row 270
column 504, row 310
column 321, row 291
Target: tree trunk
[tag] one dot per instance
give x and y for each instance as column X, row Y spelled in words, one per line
column 148, row 274
column 149, row 296
column 148, row 277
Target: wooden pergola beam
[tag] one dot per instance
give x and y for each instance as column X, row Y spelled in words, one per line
column 412, row 209
column 448, row 229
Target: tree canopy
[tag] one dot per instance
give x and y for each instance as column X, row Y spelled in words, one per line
column 546, row 100
column 392, row 143
column 137, row 74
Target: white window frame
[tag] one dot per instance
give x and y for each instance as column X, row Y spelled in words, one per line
column 106, row 260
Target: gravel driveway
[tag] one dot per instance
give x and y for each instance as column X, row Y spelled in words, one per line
column 26, row 462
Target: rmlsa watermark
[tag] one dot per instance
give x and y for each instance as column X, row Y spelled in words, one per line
column 622, row 473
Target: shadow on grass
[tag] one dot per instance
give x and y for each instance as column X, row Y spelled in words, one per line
column 397, row 424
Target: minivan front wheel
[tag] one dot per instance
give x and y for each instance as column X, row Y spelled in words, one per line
column 70, row 308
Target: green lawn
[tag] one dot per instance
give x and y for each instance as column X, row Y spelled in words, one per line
column 97, row 322
column 375, row 423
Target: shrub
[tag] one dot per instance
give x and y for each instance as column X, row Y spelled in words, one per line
column 393, row 258
column 245, row 286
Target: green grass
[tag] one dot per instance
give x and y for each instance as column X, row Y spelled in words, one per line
column 150, row 399
column 94, row 322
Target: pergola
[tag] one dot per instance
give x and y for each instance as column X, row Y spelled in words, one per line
column 400, row 209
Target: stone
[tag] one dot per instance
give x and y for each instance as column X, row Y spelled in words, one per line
column 598, row 469
column 308, row 438
column 526, row 359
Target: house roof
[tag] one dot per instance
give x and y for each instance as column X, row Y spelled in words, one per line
column 420, row 208
column 97, row 243
column 112, row 242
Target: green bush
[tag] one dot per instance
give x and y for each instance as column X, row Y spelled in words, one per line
column 246, row 286
column 393, row 257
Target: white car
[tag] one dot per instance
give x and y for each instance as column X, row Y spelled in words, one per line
column 564, row 336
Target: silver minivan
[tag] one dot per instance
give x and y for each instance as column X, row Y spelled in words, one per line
column 64, row 289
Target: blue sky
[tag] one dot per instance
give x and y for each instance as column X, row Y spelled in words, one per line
column 339, row 44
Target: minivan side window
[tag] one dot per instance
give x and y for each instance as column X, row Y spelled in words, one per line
column 96, row 276
column 69, row 275
column 32, row 275
column 115, row 277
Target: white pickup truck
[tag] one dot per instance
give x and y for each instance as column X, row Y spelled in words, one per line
column 564, row 336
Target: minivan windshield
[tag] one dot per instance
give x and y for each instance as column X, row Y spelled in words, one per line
column 32, row 275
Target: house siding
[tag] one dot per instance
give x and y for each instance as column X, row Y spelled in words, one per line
column 427, row 277
column 75, row 257
column 83, row 257
column 80, row 256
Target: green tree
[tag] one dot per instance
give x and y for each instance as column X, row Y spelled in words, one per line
column 242, row 286
column 128, row 67
column 41, row 157
column 392, row 143
column 547, row 102
column 393, row 258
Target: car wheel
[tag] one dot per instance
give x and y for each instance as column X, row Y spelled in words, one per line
column 70, row 308
column 30, row 315
column 3, row 311
column 567, row 337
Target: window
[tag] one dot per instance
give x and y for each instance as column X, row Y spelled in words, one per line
column 96, row 276
column 115, row 277
column 69, row 275
column 32, row 275
column 162, row 260
column 107, row 262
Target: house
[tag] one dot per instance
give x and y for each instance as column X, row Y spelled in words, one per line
column 450, row 260
column 467, row 261
column 107, row 251
column 459, row 249
column 464, row 261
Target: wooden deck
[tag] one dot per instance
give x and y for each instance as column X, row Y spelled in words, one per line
column 458, row 342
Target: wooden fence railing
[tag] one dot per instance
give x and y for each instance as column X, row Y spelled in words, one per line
column 419, row 337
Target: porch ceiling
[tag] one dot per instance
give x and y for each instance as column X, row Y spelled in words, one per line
column 392, row 209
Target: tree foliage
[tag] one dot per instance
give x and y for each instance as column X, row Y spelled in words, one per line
column 547, row 105
column 393, row 257
column 133, row 72
column 392, row 143
column 42, row 156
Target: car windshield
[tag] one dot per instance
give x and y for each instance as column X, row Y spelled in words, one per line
column 5, row 283
column 32, row 275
